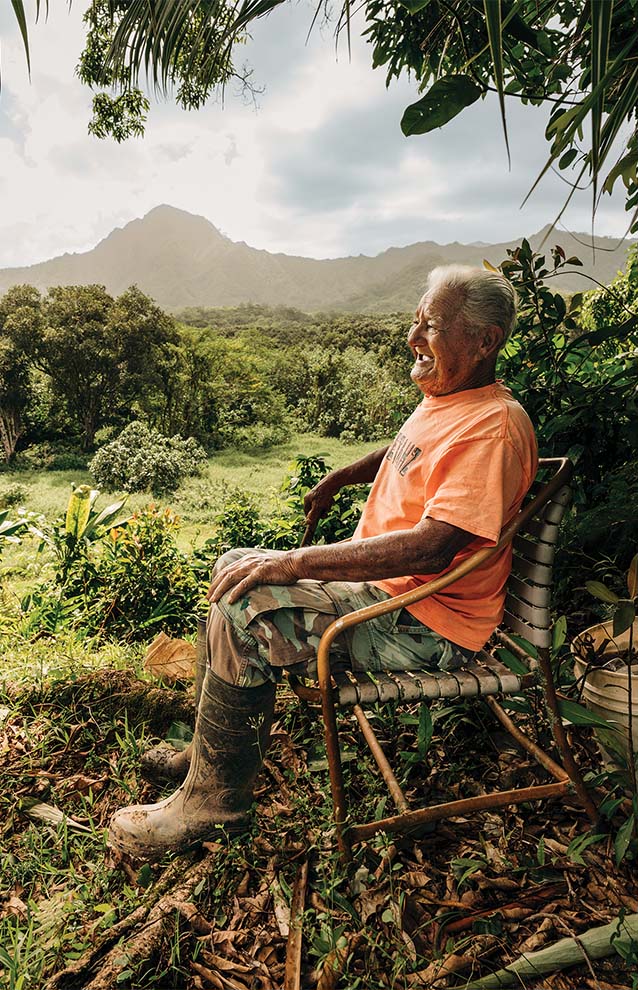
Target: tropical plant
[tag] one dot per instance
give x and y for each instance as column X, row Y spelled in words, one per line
column 144, row 582
column 578, row 386
column 9, row 529
column 603, row 647
column 69, row 538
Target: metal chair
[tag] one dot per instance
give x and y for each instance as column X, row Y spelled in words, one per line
column 534, row 533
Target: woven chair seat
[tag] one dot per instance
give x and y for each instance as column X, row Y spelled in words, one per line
column 484, row 675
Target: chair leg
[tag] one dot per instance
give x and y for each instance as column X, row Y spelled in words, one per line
column 561, row 738
column 335, row 769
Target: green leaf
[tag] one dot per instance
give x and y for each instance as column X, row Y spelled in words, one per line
column 414, row 6
column 493, row 20
column 544, row 43
column 601, row 15
column 625, row 166
column 104, row 518
column 632, row 577
column 577, row 714
column 601, row 591
column 624, row 617
column 78, row 511
column 511, row 661
column 568, row 158
column 559, row 632
column 623, row 838
column 18, row 10
column 577, row 846
column 443, row 101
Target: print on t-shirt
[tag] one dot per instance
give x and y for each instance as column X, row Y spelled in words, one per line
column 402, row 453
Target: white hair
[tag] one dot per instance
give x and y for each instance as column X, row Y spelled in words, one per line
column 487, row 298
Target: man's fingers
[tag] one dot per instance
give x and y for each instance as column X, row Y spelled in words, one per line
column 228, row 577
column 242, row 588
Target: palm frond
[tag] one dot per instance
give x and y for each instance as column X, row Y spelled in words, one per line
column 601, row 16
column 493, row 20
column 154, row 36
column 21, row 18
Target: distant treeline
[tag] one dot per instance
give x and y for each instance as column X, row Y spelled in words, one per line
column 77, row 365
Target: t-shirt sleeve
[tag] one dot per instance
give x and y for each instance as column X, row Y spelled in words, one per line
column 477, row 486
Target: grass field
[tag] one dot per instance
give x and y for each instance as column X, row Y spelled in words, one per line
column 200, row 498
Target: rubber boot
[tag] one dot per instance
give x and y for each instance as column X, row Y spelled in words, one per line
column 165, row 763
column 231, row 736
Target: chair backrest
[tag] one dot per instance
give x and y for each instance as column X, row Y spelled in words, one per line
column 527, row 601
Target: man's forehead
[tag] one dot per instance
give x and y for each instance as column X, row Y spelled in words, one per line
column 440, row 301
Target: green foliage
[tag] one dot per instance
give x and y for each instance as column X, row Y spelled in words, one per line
column 198, row 59
column 577, row 58
column 47, row 456
column 443, row 101
column 12, row 495
column 122, row 579
column 144, row 582
column 141, row 459
column 9, row 529
column 285, row 528
column 20, row 321
column 578, row 386
column 241, row 524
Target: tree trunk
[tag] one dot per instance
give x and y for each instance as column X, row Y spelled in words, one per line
column 11, row 429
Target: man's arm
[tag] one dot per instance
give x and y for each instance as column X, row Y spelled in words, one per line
column 361, row 472
column 428, row 548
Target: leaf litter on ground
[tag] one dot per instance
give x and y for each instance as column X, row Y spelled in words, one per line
column 463, row 900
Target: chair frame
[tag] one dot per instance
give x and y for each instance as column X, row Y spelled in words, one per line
column 567, row 777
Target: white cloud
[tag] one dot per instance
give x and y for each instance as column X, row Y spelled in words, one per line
column 319, row 168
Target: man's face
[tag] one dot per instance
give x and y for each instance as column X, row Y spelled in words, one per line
column 447, row 357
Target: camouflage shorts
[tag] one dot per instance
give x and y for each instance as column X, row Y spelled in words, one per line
column 279, row 626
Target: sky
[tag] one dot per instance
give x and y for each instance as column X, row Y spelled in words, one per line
column 318, row 167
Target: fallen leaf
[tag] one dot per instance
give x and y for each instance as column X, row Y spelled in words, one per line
column 282, row 911
column 170, row 659
column 416, row 878
column 48, row 813
column 14, row 906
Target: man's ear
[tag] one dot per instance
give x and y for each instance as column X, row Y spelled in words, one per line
column 490, row 341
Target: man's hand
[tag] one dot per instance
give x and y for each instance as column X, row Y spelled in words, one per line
column 362, row 472
column 319, row 499
column 274, row 567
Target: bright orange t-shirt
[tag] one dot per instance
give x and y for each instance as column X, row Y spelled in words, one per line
column 466, row 459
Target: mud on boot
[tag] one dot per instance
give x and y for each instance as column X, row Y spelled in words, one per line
column 231, row 737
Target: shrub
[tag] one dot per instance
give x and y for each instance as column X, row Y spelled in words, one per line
column 47, row 457
column 125, row 580
column 141, row 459
column 144, row 581
column 13, row 495
column 240, row 524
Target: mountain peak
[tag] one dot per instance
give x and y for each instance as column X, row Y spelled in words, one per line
column 183, row 260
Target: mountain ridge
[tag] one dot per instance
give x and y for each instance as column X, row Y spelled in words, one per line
column 181, row 259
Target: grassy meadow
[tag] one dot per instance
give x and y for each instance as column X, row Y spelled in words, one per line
column 199, row 498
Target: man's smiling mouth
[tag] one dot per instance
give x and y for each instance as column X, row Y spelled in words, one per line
column 422, row 357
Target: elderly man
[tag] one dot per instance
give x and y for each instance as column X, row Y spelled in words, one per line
column 452, row 478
